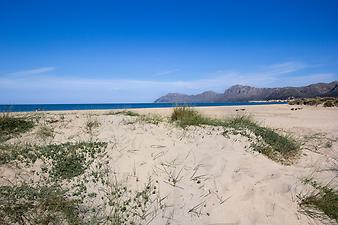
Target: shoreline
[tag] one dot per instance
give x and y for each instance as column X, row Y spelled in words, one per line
column 145, row 109
column 117, row 106
column 278, row 116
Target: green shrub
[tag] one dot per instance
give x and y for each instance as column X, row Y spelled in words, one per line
column 11, row 126
column 312, row 102
column 335, row 102
column 328, row 103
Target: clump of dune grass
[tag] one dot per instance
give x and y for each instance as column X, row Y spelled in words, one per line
column 124, row 112
column 323, row 200
column 91, row 124
column 11, row 126
column 185, row 116
column 24, row 204
column 45, row 132
column 269, row 142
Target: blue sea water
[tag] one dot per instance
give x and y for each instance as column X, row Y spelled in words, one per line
column 61, row 107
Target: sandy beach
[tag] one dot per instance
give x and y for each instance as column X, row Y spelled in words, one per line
column 197, row 175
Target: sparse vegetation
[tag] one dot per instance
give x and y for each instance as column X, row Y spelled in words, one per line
column 153, row 119
column 45, row 132
column 80, row 166
column 50, row 204
column 323, row 199
column 24, row 204
column 44, row 201
column 11, row 126
column 25, row 154
column 91, row 124
column 336, row 102
column 274, row 145
column 317, row 141
column 70, row 160
column 132, row 207
column 326, row 102
column 124, row 112
column 67, row 160
column 185, row 116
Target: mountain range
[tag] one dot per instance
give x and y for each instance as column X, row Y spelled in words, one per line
column 241, row 93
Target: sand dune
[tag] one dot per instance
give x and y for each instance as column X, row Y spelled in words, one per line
column 201, row 176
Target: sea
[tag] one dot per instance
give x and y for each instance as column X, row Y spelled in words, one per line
column 122, row 106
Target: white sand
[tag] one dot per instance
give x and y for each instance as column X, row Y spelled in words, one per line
column 219, row 180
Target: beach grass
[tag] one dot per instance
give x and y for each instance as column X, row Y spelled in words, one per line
column 25, row 204
column 185, row 116
column 91, row 124
column 45, row 132
column 276, row 146
column 153, row 119
column 272, row 143
column 323, row 199
column 11, row 126
column 124, row 112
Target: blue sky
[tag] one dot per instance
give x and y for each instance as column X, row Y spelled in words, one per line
column 135, row 51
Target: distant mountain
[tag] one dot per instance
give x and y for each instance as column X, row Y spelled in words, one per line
column 248, row 93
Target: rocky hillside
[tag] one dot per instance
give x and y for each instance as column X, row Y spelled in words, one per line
column 248, row 93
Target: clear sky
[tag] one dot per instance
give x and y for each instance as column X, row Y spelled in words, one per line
column 66, row 51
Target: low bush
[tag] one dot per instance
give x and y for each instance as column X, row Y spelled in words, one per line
column 328, row 103
column 11, row 126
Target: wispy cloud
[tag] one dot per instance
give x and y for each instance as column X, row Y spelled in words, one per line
column 285, row 67
column 50, row 88
column 167, row 72
column 31, row 71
